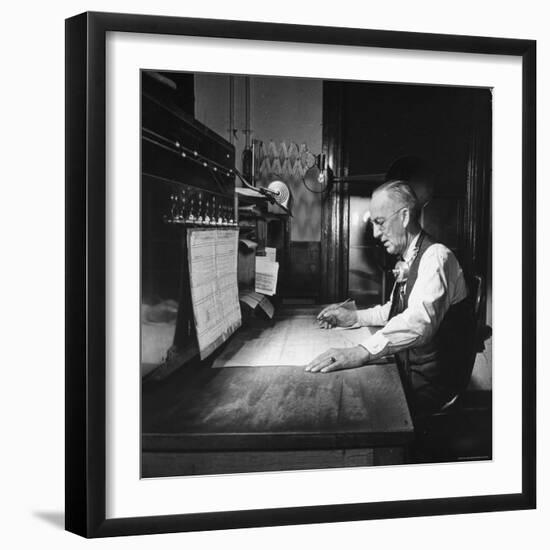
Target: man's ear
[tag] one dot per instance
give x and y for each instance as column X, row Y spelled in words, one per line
column 406, row 217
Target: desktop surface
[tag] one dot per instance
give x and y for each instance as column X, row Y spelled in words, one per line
column 200, row 409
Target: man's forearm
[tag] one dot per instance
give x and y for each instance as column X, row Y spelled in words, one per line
column 376, row 316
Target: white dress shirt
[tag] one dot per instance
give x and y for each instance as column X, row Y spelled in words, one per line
column 440, row 283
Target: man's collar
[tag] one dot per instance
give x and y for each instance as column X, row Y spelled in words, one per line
column 410, row 252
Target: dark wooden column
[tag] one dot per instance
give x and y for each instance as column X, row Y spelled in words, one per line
column 477, row 219
column 334, row 208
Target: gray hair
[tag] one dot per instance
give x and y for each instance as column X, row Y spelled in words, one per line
column 402, row 193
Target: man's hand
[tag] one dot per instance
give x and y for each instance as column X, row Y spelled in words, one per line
column 338, row 359
column 337, row 316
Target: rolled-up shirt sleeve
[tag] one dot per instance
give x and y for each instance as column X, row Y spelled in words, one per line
column 376, row 316
column 439, row 284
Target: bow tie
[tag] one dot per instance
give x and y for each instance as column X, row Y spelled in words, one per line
column 401, row 271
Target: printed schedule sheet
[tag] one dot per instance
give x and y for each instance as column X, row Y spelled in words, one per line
column 213, row 280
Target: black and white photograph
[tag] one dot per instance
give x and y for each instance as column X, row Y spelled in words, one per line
column 274, row 275
column 316, row 273
column 300, row 266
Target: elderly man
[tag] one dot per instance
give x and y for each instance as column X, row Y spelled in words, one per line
column 428, row 323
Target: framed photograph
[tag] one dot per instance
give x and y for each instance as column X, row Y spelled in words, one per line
column 300, row 276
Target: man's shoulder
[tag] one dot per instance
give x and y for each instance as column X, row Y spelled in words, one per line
column 439, row 253
column 439, row 248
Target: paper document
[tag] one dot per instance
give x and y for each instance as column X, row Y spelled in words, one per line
column 255, row 299
column 267, row 307
column 266, row 275
column 212, row 259
column 251, row 299
column 249, row 244
column 271, row 253
column 293, row 341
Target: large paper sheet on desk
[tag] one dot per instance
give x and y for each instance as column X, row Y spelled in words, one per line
column 214, row 292
column 289, row 342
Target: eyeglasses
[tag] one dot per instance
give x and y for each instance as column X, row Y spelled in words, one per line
column 381, row 223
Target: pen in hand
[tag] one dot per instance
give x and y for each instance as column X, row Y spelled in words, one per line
column 322, row 315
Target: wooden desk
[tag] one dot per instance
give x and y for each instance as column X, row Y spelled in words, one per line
column 203, row 420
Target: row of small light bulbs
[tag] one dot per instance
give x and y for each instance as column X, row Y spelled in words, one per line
column 206, row 162
column 195, row 156
column 205, row 216
column 201, row 160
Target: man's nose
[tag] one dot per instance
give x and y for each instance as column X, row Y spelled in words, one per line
column 376, row 231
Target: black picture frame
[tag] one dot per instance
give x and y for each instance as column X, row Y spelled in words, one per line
column 86, row 264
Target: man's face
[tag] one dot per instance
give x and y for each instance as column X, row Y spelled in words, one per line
column 387, row 216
